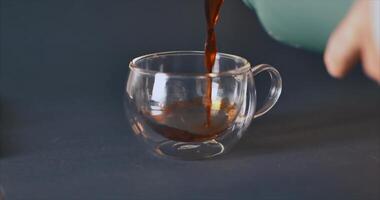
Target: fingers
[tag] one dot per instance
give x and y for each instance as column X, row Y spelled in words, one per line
column 371, row 61
column 354, row 38
column 341, row 53
column 343, row 47
column 371, row 44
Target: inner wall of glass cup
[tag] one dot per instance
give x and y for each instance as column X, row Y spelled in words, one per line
column 187, row 63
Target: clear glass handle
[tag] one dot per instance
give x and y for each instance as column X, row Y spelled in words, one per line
column 275, row 88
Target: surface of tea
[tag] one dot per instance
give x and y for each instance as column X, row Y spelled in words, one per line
column 184, row 120
column 212, row 8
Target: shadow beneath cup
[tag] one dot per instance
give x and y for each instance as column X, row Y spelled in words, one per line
column 309, row 129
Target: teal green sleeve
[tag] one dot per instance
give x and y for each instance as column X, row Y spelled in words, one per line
column 300, row 23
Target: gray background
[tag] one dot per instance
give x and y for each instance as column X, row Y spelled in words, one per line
column 63, row 133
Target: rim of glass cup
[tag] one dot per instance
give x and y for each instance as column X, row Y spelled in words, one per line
column 246, row 66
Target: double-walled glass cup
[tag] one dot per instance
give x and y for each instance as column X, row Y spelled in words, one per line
column 181, row 111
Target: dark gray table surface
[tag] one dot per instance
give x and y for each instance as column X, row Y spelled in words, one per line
column 63, row 133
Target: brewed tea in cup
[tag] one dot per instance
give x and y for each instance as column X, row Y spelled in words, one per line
column 166, row 102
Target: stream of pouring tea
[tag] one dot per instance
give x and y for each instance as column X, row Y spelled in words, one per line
column 196, row 113
column 212, row 8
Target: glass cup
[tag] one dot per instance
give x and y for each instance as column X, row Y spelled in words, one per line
column 181, row 111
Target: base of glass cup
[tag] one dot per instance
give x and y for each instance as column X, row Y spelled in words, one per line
column 190, row 150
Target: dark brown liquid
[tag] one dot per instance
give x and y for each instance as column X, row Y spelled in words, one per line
column 212, row 8
column 184, row 120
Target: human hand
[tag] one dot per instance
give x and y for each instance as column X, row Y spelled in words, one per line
column 357, row 37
